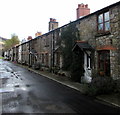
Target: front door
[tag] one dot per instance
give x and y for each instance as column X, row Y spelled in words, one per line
column 87, row 67
column 104, row 63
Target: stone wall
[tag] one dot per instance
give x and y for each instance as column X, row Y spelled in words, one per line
column 87, row 27
column 87, row 32
column 112, row 39
column 1, row 45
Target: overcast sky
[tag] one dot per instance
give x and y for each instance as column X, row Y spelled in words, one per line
column 26, row 17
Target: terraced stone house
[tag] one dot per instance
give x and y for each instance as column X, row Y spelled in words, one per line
column 2, row 45
column 98, row 45
column 101, row 32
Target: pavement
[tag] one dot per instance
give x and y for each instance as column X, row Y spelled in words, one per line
column 112, row 99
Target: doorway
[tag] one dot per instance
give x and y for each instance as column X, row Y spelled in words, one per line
column 104, row 62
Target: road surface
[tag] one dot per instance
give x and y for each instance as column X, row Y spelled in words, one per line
column 23, row 91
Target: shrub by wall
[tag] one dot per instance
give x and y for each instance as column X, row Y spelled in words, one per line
column 101, row 85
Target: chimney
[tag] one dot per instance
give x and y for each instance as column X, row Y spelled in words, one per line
column 82, row 10
column 38, row 34
column 29, row 38
column 53, row 24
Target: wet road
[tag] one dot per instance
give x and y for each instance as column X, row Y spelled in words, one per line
column 22, row 91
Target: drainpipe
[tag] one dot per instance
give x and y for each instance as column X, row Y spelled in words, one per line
column 29, row 52
column 53, row 48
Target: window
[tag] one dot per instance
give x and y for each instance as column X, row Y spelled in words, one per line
column 46, row 58
column 103, row 22
column 46, row 42
column 58, row 58
column 43, row 58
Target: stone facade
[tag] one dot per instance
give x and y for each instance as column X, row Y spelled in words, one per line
column 2, row 45
column 106, row 41
column 102, row 36
column 112, row 39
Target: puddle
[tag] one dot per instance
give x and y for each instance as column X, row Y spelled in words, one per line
column 3, row 80
column 16, row 86
column 4, row 74
column 6, row 90
column 2, row 69
column 9, row 85
column 24, row 88
column 27, row 85
column 8, row 69
column 21, row 78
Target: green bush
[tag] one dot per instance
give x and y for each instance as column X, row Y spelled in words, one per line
column 77, row 69
column 55, row 69
column 36, row 66
column 101, row 85
column 90, row 90
column 117, row 86
column 71, row 61
column 75, row 76
column 1, row 58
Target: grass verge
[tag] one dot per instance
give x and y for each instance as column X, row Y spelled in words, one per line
column 1, row 57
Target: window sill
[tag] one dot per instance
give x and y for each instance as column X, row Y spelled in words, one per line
column 102, row 34
column 46, row 45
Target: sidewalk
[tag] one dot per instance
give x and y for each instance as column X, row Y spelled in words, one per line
column 113, row 99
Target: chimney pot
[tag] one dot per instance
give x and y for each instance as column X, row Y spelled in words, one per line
column 82, row 10
column 82, row 5
column 54, row 20
column 51, row 19
column 79, row 5
column 53, row 24
column 86, row 6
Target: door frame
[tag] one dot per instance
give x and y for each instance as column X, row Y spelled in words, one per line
column 104, row 62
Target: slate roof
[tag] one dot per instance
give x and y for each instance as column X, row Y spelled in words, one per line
column 3, row 38
column 82, row 45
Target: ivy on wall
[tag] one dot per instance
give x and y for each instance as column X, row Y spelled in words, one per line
column 71, row 62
